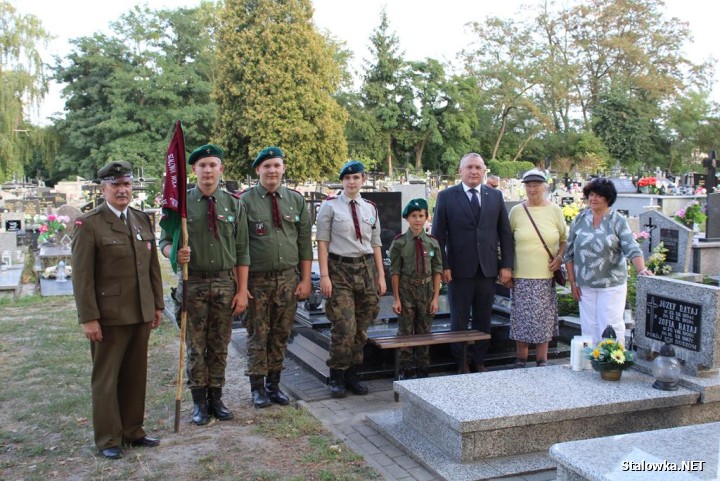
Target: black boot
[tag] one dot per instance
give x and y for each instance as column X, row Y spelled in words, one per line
column 337, row 383
column 272, row 387
column 200, row 414
column 352, row 382
column 215, row 405
column 260, row 398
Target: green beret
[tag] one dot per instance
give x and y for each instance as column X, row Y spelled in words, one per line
column 207, row 150
column 267, row 153
column 413, row 205
column 115, row 170
column 351, row 167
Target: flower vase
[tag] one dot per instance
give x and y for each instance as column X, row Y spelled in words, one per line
column 611, row 374
column 695, row 227
column 645, row 190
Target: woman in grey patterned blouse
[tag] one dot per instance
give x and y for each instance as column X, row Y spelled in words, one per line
column 599, row 244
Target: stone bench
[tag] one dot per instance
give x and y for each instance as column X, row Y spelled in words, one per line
column 683, row 453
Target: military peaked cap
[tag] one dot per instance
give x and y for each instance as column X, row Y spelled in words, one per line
column 115, row 170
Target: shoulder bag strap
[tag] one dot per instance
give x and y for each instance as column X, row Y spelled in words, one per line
column 538, row 231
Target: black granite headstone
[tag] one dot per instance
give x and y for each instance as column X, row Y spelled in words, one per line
column 673, row 321
column 389, row 205
column 669, row 238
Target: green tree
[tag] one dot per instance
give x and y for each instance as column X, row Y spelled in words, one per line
column 386, row 96
column 276, row 83
column 23, row 85
column 505, row 60
column 125, row 90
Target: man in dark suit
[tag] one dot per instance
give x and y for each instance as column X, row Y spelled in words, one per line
column 472, row 226
column 119, row 298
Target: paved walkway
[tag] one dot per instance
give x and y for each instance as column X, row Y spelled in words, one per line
column 345, row 419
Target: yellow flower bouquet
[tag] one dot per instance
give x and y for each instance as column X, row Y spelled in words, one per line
column 609, row 354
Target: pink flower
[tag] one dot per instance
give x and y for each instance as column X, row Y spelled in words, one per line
column 43, row 228
column 681, row 213
column 52, row 217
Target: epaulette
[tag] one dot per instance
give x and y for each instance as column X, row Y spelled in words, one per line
column 369, row 202
column 431, row 236
column 398, row 236
column 331, row 197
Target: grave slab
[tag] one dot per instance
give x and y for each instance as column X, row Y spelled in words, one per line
column 637, row 456
column 486, row 417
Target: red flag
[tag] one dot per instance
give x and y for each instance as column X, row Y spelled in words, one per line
column 174, row 206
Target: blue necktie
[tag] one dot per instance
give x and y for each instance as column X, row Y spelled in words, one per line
column 474, row 203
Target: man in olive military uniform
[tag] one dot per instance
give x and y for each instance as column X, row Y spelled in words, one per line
column 416, row 266
column 217, row 280
column 280, row 242
column 119, row 297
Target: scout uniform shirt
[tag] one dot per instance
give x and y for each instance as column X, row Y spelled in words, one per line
column 211, row 254
column 335, row 225
column 408, row 260
column 274, row 248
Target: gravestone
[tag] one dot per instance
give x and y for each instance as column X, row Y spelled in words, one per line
column 8, row 242
column 675, row 236
column 389, row 205
column 712, row 230
column 409, row 192
column 13, row 222
column 624, row 186
column 685, row 314
column 72, row 213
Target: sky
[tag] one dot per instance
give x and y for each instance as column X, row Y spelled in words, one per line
column 425, row 28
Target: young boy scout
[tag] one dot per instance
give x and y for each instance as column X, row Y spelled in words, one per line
column 280, row 241
column 218, row 258
column 416, row 266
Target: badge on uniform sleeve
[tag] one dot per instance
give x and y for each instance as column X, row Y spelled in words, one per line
column 259, row 228
column 431, row 253
column 231, row 218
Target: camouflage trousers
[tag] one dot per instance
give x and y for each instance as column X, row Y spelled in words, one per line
column 209, row 328
column 270, row 318
column 414, row 318
column 354, row 304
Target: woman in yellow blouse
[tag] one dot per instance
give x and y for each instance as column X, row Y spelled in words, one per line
column 533, row 317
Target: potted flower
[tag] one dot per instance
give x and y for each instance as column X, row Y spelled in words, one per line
column 51, row 228
column 609, row 358
column 647, row 185
column 691, row 215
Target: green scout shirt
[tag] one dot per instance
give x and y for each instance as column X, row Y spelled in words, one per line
column 209, row 254
column 403, row 260
column 272, row 248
